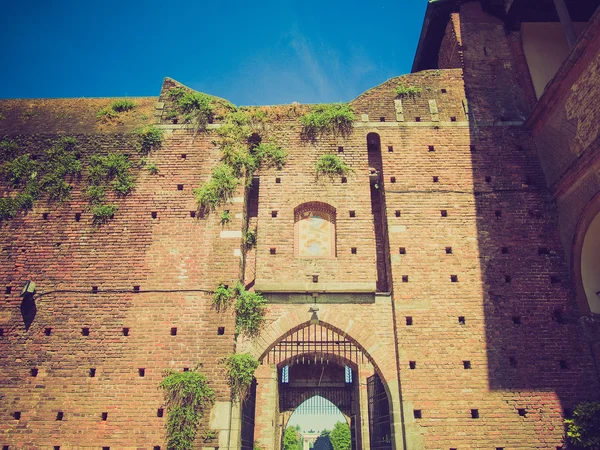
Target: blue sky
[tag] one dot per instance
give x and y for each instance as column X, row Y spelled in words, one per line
column 260, row 52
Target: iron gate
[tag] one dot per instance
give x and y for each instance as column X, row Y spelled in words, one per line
column 379, row 415
column 248, row 410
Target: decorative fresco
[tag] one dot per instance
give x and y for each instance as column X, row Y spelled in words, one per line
column 316, row 233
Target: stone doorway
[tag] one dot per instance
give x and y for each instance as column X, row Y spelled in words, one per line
column 316, row 359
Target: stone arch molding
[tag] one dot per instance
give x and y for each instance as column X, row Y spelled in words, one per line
column 377, row 353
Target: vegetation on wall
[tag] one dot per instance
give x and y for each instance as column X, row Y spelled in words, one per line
column 240, row 369
column 333, row 118
column 243, row 153
column 112, row 111
column 195, row 107
column 331, row 165
column 114, row 171
column 148, row 138
column 250, row 311
column 407, row 91
column 583, row 429
column 31, row 178
column 187, row 396
column 222, row 297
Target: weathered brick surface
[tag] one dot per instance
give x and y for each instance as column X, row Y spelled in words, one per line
column 500, row 314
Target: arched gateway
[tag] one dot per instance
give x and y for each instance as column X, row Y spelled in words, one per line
column 317, row 359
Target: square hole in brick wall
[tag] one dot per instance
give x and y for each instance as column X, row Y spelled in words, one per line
column 94, row 289
column 452, row 119
column 180, row 187
column 105, row 448
column 454, row 278
column 462, row 320
column 499, row 448
column 186, row 369
column 142, row 372
column 436, row 179
column 466, row 364
column 85, row 331
column 60, row 415
column 431, row 148
column 412, row 365
column 472, row 148
column 409, row 320
column 390, row 148
column 17, row 415
column 1, row 331
column 567, row 413
column 136, row 289
column 498, row 213
column 34, row 372
column 315, row 278
column 543, row 251
column 48, row 331
column 402, row 250
column 392, row 179
column 417, row 119
column 183, row 156
column 522, row 412
column 104, row 416
column 57, row 447
column 444, row 213
column 344, row 179
column 448, row 250
column 382, row 119
column 277, row 180
column 504, row 250
column 352, row 213
column 45, row 216
column 8, row 290
column 220, row 331
column 340, row 149
column 405, row 278
column 160, row 412
column 488, row 179
column 397, row 213
column 154, row 214
column 77, row 217
column 353, row 250
column 273, row 250
column 192, row 213
column 92, row 372
column 443, row 91
column 557, row 316
column 273, row 214
column 174, row 331
column 156, row 447
column 563, row 364
column 512, row 361
column 5, row 447
column 417, row 413
column 474, row 414
column 554, row 279
column 125, row 331
column 516, row 320
column 507, row 278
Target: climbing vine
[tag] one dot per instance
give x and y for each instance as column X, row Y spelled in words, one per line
column 187, row 396
column 333, row 118
column 240, row 369
column 331, row 165
column 30, row 178
column 148, row 138
column 250, row 311
column 222, row 297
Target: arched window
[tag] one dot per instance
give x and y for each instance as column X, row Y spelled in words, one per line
column 590, row 262
column 314, row 230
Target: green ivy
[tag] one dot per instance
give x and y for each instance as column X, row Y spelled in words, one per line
column 250, row 238
column 333, row 118
column 240, row 368
column 222, row 297
column 114, row 169
column 220, row 188
column 407, row 91
column 103, row 213
column 583, row 429
column 187, row 396
column 152, row 169
column 225, row 217
column 250, row 311
column 331, row 165
column 8, row 150
column 112, row 111
column 148, row 138
column 197, row 107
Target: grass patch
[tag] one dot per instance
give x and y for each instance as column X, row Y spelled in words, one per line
column 333, row 118
column 331, row 165
column 407, row 91
column 112, row 111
